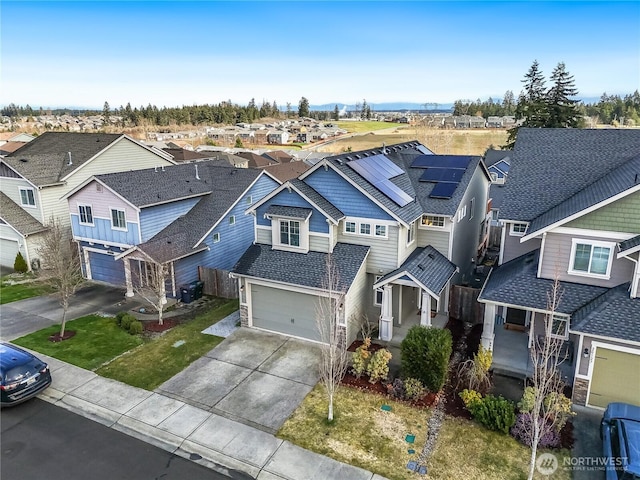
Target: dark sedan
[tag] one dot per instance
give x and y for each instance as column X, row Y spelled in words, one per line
column 22, row 375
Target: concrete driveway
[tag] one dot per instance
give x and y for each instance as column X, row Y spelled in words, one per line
column 587, row 446
column 253, row 377
column 32, row 314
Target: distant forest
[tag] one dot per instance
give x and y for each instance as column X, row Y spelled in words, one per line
column 610, row 109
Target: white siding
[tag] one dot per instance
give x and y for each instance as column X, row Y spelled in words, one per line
column 11, row 188
column 384, row 252
column 355, row 302
column 438, row 239
column 318, row 243
column 263, row 235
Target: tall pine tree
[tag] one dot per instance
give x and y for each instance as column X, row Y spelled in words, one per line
column 562, row 110
column 303, row 107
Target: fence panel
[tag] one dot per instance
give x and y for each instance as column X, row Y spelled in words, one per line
column 218, row 283
column 464, row 305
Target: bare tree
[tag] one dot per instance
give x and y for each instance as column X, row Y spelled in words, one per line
column 329, row 322
column 149, row 282
column 60, row 266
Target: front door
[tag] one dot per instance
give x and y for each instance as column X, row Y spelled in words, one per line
column 516, row 319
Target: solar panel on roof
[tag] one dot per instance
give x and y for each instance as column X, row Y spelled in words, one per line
column 377, row 172
column 442, row 161
column 442, row 175
column 380, row 163
column 443, row 190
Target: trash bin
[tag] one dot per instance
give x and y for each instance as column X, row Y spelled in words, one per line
column 187, row 293
column 199, row 286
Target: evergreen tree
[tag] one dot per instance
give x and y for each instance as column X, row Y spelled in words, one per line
column 106, row 114
column 303, row 107
column 562, row 110
column 289, row 110
column 336, row 113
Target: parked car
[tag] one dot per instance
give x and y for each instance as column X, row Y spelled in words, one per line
column 620, row 431
column 22, row 375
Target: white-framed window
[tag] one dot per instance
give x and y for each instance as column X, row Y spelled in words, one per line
column 249, row 200
column 290, row 233
column 27, row 197
column 118, row 219
column 472, row 207
column 435, row 221
column 365, row 229
column 517, row 229
column 216, row 237
column 381, row 230
column 591, row 258
column 86, row 214
column 349, row 227
column 411, row 233
column 377, row 299
column 558, row 327
column 462, row 212
column 232, row 220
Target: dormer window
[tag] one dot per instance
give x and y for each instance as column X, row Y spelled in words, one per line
column 591, row 258
column 289, row 227
column 290, row 233
column 27, row 197
column 517, row 229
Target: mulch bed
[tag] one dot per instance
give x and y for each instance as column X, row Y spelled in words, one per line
column 380, row 388
column 67, row 335
column 566, row 436
column 155, row 327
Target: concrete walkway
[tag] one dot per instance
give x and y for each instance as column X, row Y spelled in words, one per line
column 190, row 432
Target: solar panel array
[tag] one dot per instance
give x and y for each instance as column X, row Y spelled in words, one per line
column 378, row 170
column 446, row 171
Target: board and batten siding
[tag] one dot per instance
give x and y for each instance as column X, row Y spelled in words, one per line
column 557, row 258
column 156, row 218
column 317, row 221
column 354, row 301
column 11, row 188
column 620, row 216
column 512, row 248
column 383, row 254
column 583, row 368
column 122, row 156
column 438, row 238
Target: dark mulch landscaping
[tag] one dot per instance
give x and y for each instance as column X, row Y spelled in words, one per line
column 380, row 388
column 58, row 338
column 566, row 436
column 155, row 327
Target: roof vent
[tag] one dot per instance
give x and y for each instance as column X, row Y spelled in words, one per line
column 420, row 266
column 197, row 176
column 430, row 255
column 70, row 162
column 163, row 168
column 24, row 160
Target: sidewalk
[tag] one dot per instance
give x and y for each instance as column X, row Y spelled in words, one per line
column 206, row 438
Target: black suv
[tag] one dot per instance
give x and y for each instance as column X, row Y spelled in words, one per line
column 22, row 375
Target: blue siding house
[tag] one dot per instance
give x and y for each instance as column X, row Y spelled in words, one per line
column 182, row 217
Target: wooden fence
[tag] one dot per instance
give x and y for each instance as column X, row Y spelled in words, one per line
column 217, row 283
column 463, row 304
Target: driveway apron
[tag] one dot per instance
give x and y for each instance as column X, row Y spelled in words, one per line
column 253, row 377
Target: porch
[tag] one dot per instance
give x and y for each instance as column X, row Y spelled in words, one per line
column 400, row 331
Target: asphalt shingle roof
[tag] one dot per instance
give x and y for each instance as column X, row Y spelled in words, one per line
column 292, row 212
column 306, row 269
column 496, row 194
column 428, row 266
column 550, row 165
column 14, row 215
column 516, row 283
column 492, row 156
column 613, row 314
column 325, row 205
column 629, row 244
column 47, row 156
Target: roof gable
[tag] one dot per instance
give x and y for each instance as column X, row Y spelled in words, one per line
column 15, row 216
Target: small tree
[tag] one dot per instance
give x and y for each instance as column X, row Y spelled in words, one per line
column 60, row 266
column 425, row 353
column 151, row 285
column 20, row 265
column 329, row 312
column 238, row 143
column 303, row 107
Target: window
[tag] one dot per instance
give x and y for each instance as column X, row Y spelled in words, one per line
column 432, row 221
column 558, row 327
column 378, row 293
column 365, row 229
column 290, row 233
column 462, row 213
column 216, row 237
column 118, row 220
column 591, row 258
column 517, row 229
column 86, row 215
column 232, row 220
column 411, row 233
column 350, row 227
column 472, row 206
column 381, row 230
column 249, row 200
column 27, row 197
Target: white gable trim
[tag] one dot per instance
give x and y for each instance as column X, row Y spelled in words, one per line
column 104, row 185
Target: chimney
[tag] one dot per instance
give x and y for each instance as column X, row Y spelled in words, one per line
column 197, row 176
column 70, row 162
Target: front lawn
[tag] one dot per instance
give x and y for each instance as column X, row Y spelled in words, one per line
column 158, row 360
column 10, row 291
column 366, row 126
column 366, row 436
column 97, row 340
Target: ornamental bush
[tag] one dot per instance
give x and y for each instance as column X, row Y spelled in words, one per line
column 521, row 431
column 494, row 413
column 20, row 265
column 378, row 367
column 135, row 327
column 425, row 355
column 360, row 358
column 126, row 320
column 396, row 389
column 470, row 397
column 414, row 390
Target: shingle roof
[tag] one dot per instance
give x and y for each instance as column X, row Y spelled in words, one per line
column 516, row 283
column 428, row 266
column 292, row 212
column 305, row 269
column 47, row 157
column 629, row 244
column 15, row 216
column 287, row 171
column 325, row 205
column 613, row 314
column 496, row 194
column 183, row 155
column 550, row 165
column 491, row 157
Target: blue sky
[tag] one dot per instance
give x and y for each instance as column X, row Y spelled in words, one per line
column 174, row 53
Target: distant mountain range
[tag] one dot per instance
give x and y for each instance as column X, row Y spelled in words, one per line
column 388, row 107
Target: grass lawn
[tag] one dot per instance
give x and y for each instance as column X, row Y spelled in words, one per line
column 12, row 292
column 368, row 437
column 97, row 340
column 151, row 364
column 361, row 127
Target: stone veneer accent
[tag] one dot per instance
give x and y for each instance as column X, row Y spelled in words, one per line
column 580, row 387
column 244, row 315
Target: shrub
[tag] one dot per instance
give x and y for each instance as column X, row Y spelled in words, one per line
column 119, row 316
column 525, row 405
column 135, row 327
column 522, row 429
column 396, row 389
column 469, row 397
column 425, row 355
column 378, row 367
column 126, row 320
column 414, row 390
column 20, row 265
column 360, row 359
column 556, row 404
column 495, row 413
column 476, row 371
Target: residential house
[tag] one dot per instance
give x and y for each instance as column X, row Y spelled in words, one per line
column 10, row 147
column 287, row 171
column 278, row 137
column 571, row 213
column 183, row 216
column 257, row 161
column 6, row 137
column 278, row 155
column 498, row 162
column 38, row 175
column 400, row 223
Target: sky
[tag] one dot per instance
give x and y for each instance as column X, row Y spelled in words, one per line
column 173, row 53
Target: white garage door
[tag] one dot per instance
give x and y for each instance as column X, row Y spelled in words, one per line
column 615, row 378
column 283, row 311
column 8, row 251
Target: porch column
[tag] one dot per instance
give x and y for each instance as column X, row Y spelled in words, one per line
column 87, row 264
column 386, row 318
column 127, row 277
column 487, row 330
column 425, row 309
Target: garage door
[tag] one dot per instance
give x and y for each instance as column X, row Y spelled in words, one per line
column 283, row 311
column 616, row 378
column 105, row 268
column 8, row 251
